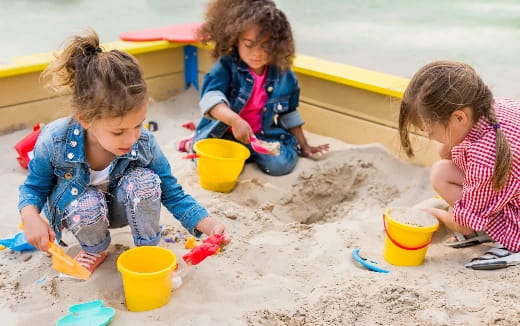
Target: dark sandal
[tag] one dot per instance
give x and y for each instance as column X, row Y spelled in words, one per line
column 495, row 258
column 463, row 241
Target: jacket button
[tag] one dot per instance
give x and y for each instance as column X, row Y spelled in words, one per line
column 279, row 107
column 76, row 131
column 68, row 175
column 70, row 156
column 74, row 191
column 133, row 152
column 73, row 143
column 270, row 89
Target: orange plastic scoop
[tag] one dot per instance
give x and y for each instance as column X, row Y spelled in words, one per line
column 64, row 263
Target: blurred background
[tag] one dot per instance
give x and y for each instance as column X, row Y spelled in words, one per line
column 395, row 37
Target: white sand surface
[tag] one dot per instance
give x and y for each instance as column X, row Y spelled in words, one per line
column 290, row 259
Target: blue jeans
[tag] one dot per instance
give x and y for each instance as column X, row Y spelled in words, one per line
column 136, row 201
column 274, row 165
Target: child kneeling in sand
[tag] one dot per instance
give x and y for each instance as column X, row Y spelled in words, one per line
column 479, row 173
column 100, row 168
column 251, row 92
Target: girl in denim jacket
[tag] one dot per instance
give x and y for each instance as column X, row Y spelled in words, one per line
column 251, row 91
column 100, row 168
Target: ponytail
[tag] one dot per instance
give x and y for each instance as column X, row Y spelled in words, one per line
column 103, row 84
column 503, row 156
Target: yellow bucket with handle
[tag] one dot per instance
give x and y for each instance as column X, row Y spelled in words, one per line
column 147, row 276
column 219, row 163
column 406, row 245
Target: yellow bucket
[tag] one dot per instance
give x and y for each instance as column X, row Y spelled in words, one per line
column 220, row 162
column 147, row 276
column 406, row 245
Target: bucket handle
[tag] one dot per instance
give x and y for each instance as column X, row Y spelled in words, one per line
column 191, row 156
column 400, row 245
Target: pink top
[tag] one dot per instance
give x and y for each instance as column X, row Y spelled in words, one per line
column 480, row 206
column 252, row 111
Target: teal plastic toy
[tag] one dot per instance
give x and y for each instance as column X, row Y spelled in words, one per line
column 91, row 313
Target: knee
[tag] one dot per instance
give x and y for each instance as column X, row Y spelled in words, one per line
column 141, row 183
column 439, row 173
column 277, row 168
column 89, row 209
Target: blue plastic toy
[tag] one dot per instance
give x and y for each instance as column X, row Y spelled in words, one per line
column 371, row 265
column 91, row 313
column 17, row 242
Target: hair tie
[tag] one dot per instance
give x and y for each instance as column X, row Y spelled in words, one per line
column 93, row 51
column 496, row 126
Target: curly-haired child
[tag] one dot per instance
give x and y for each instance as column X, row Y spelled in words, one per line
column 251, row 92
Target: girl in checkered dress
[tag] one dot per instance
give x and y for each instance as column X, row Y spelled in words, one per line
column 478, row 140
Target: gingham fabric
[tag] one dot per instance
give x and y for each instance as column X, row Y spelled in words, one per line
column 480, row 206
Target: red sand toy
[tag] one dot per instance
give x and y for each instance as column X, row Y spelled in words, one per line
column 26, row 145
column 210, row 246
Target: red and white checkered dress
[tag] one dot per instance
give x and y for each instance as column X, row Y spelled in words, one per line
column 480, row 206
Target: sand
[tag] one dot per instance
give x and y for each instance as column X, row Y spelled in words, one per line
column 290, row 259
column 412, row 216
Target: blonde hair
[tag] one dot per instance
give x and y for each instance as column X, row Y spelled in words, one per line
column 103, row 83
column 442, row 87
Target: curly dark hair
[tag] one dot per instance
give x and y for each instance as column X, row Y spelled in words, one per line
column 225, row 20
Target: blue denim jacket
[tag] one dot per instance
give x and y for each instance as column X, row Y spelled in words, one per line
column 231, row 82
column 59, row 173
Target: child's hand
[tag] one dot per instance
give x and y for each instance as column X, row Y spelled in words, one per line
column 210, row 226
column 241, row 130
column 447, row 219
column 315, row 152
column 38, row 232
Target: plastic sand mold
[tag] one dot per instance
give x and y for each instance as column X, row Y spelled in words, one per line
column 91, row 313
column 18, row 242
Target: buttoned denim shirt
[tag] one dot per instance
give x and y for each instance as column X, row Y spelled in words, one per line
column 231, row 82
column 59, row 173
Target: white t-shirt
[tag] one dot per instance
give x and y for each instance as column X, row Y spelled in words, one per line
column 99, row 179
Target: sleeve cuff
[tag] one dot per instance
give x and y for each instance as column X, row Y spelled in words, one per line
column 192, row 218
column 209, row 100
column 469, row 219
column 291, row 120
column 27, row 201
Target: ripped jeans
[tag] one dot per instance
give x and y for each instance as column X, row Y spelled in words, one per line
column 136, row 201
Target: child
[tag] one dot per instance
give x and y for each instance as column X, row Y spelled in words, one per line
column 100, row 168
column 251, row 91
column 479, row 143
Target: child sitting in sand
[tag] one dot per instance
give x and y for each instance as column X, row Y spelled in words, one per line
column 251, row 92
column 479, row 143
column 100, row 168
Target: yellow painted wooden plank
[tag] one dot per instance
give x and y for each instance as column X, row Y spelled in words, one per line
column 359, row 131
column 352, row 76
column 38, row 62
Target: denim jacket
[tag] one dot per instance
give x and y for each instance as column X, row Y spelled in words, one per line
column 59, row 173
column 231, row 82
